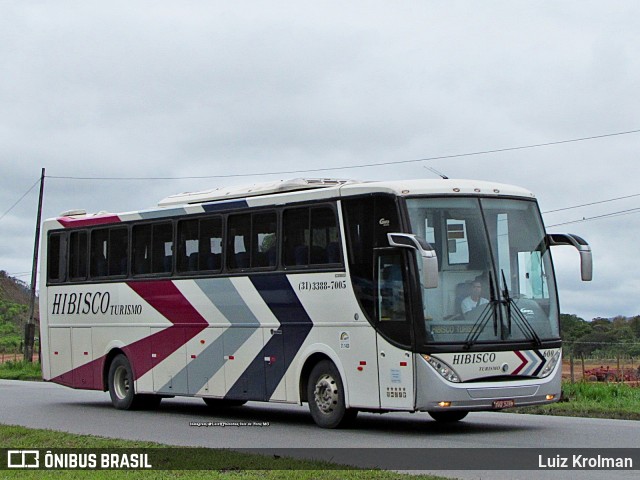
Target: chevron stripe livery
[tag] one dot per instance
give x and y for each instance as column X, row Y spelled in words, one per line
column 304, row 290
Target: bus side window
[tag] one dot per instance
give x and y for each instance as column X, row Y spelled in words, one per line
column 295, row 229
column 368, row 220
column 141, row 249
column 56, row 257
column 78, row 256
column 210, row 244
column 264, row 241
column 118, row 251
column 325, row 247
column 99, row 252
column 310, row 237
column 238, row 241
column 162, row 248
column 391, row 295
column 392, row 314
column 188, row 251
column 152, row 248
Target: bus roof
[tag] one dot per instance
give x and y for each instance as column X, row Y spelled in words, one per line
column 447, row 186
column 347, row 188
column 253, row 190
column 291, row 191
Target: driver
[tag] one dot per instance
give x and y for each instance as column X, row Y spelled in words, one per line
column 475, row 299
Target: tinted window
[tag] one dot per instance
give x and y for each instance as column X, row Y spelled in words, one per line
column 109, row 252
column 264, row 240
column 368, row 220
column 78, row 255
column 238, row 241
column 55, row 258
column 152, row 248
column 118, row 251
column 310, row 237
column 252, row 240
column 200, row 245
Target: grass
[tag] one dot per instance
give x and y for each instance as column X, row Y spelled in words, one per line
column 594, row 400
column 227, row 464
column 20, row 371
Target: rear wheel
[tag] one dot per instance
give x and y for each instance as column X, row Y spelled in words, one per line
column 122, row 390
column 325, row 393
column 448, row 417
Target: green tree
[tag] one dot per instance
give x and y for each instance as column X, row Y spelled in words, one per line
column 573, row 327
column 594, row 342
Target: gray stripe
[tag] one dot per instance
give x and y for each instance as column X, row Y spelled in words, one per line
column 225, row 297
column 222, row 293
column 163, row 213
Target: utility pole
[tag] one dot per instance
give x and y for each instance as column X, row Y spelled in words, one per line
column 30, row 327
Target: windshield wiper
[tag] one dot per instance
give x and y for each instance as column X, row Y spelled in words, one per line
column 490, row 310
column 519, row 317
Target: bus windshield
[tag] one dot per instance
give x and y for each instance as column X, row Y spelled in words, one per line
column 496, row 281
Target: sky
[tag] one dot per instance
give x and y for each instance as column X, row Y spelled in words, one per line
column 242, row 91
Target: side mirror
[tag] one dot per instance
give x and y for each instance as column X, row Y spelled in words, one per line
column 586, row 259
column 426, row 252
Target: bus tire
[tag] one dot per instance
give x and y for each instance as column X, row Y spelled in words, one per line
column 448, row 417
column 217, row 403
column 325, row 393
column 121, row 385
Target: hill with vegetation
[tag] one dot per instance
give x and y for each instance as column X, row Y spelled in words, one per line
column 14, row 312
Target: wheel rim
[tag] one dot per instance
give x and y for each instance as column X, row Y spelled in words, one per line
column 326, row 393
column 121, row 383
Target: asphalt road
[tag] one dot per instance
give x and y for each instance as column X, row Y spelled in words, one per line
column 50, row 406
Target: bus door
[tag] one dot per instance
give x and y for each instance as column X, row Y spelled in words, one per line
column 393, row 327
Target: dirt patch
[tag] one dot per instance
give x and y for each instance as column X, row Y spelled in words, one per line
column 15, row 357
column 587, row 369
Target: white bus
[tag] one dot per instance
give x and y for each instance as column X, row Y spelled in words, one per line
column 422, row 295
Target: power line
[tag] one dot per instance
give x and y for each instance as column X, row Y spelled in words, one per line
column 20, row 199
column 593, row 203
column 598, row 217
column 364, row 165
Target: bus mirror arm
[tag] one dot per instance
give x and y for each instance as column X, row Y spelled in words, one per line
column 424, row 249
column 586, row 260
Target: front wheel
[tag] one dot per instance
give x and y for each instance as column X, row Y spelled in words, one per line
column 325, row 393
column 448, row 417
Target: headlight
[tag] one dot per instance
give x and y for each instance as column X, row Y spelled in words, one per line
column 551, row 364
column 442, row 368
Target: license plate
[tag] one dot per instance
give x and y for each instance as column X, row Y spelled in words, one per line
column 498, row 404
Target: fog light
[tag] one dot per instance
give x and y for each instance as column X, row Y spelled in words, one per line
column 444, row 404
column 550, row 397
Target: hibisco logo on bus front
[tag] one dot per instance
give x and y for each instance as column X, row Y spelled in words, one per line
column 470, row 366
column 90, row 303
